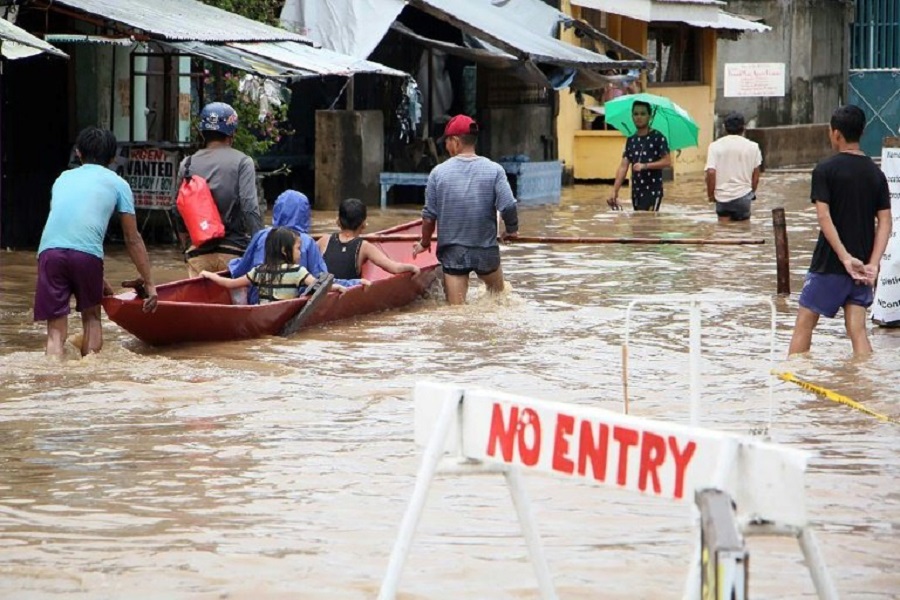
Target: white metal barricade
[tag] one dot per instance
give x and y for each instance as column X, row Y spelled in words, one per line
column 472, row 431
column 695, row 342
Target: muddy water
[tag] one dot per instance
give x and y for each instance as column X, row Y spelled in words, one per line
column 273, row 469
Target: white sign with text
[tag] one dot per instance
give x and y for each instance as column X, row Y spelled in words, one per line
column 886, row 308
column 592, row 445
column 754, row 80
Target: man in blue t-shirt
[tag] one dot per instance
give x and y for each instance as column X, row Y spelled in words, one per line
column 70, row 256
column 647, row 151
column 850, row 193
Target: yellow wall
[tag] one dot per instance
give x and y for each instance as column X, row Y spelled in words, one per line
column 598, row 154
column 568, row 121
column 697, row 100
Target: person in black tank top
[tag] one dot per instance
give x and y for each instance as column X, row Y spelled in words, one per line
column 346, row 252
column 342, row 258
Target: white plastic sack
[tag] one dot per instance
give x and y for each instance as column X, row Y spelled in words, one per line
column 886, row 308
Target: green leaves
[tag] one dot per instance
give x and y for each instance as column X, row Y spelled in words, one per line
column 264, row 11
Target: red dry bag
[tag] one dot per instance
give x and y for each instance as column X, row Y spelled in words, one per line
column 198, row 209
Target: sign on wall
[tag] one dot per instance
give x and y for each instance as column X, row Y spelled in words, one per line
column 754, row 80
column 151, row 173
column 886, row 308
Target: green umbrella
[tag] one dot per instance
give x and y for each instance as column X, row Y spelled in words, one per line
column 667, row 118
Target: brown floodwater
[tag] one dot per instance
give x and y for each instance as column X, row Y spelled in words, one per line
column 274, row 468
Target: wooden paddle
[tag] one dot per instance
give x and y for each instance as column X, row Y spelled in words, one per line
column 319, row 291
column 534, row 239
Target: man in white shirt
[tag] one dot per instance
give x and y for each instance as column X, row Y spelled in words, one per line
column 732, row 171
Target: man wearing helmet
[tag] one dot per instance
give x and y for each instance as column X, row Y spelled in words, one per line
column 231, row 177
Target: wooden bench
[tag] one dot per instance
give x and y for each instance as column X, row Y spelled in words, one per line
column 388, row 180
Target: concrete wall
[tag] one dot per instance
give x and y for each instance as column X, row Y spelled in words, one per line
column 513, row 130
column 812, row 38
column 792, row 145
column 349, row 156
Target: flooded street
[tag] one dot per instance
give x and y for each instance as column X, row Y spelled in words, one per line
column 274, row 468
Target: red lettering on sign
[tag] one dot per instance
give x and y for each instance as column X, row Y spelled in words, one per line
column 502, row 433
column 587, row 449
column 529, row 454
column 626, row 437
column 653, row 454
column 565, row 425
column 681, row 458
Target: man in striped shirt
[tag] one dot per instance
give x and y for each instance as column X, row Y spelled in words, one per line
column 464, row 194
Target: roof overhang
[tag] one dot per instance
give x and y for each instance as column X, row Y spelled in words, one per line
column 697, row 13
column 191, row 27
column 516, row 35
column 17, row 43
column 283, row 60
column 515, row 27
column 177, row 20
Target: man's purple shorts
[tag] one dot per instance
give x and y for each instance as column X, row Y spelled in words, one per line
column 825, row 293
column 61, row 274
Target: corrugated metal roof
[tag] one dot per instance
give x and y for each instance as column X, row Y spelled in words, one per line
column 18, row 43
column 318, row 61
column 283, row 59
column 731, row 22
column 506, row 26
column 697, row 13
column 183, row 20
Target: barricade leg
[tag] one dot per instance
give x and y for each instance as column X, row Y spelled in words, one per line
column 529, row 530
column 430, row 460
column 816, row 563
column 726, row 461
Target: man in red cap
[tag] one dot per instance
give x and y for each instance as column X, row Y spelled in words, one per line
column 464, row 193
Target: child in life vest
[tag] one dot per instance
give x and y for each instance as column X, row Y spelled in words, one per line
column 280, row 277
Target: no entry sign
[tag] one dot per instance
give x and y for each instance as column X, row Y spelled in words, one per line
column 657, row 458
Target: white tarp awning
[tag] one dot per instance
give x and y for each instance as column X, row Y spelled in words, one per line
column 697, row 13
column 353, row 27
column 16, row 43
column 523, row 30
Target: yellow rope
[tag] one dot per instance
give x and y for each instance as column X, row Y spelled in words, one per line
column 835, row 397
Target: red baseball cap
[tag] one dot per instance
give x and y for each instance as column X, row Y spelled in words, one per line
column 461, row 125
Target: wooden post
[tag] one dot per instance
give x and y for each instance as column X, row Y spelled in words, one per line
column 781, row 252
column 351, row 94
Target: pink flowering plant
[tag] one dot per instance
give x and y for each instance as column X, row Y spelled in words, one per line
column 261, row 107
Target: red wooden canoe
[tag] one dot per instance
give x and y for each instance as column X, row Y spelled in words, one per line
column 198, row 310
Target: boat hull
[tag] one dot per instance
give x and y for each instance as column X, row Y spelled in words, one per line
column 198, row 310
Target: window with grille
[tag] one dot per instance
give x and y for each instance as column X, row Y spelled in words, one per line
column 875, row 35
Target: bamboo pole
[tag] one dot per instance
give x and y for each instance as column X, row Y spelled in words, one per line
column 531, row 239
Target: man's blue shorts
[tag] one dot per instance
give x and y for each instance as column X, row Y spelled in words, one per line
column 825, row 293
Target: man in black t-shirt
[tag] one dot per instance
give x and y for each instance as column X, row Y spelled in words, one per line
column 647, row 151
column 850, row 193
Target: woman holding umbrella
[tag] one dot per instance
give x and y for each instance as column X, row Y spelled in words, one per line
column 647, row 149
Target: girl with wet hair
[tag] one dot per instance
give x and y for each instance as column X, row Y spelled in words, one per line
column 280, row 276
